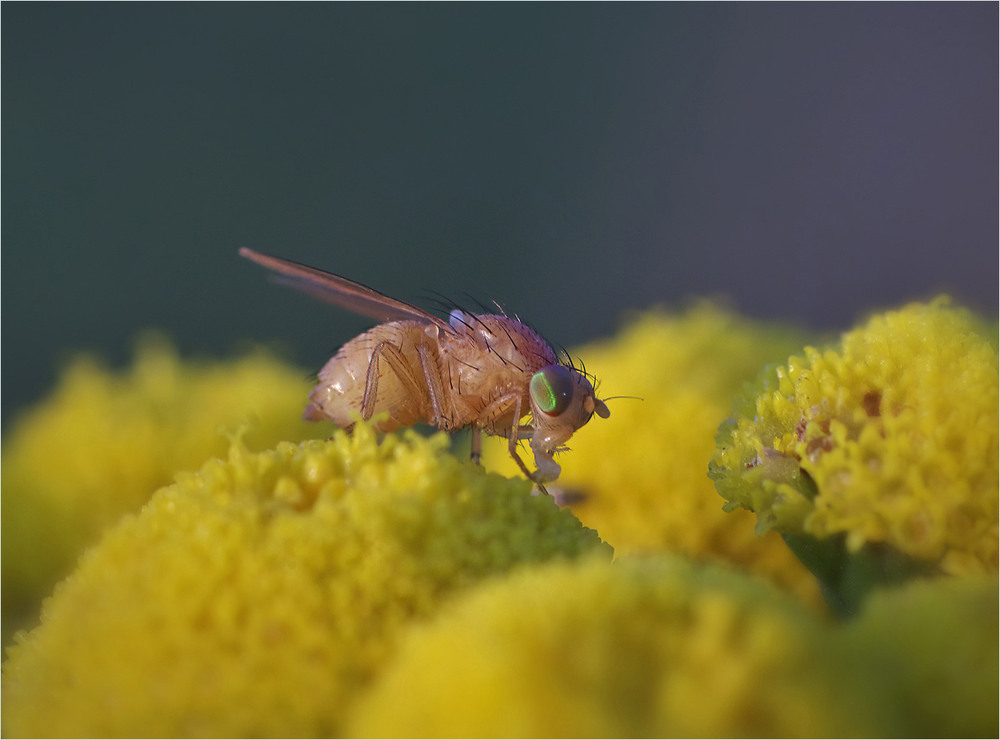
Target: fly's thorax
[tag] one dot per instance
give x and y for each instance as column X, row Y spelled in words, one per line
column 486, row 358
column 503, row 340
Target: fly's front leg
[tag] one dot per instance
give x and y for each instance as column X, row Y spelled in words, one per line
column 517, row 430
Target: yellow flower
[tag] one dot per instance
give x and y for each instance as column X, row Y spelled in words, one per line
column 258, row 596
column 638, row 477
column 103, row 441
column 888, row 439
column 935, row 643
column 654, row 647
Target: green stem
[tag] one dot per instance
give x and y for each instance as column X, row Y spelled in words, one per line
column 846, row 578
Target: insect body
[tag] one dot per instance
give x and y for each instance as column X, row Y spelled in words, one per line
column 482, row 371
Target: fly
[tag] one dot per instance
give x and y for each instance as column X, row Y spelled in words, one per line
column 483, row 371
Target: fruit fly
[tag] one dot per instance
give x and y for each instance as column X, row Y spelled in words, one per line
column 484, row 371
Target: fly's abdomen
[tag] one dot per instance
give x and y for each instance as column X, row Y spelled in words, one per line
column 399, row 388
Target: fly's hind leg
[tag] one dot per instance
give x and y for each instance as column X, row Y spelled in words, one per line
column 397, row 362
column 435, row 387
column 430, row 395
column 517, row 432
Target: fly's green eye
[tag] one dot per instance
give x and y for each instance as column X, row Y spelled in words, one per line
column 552, row 389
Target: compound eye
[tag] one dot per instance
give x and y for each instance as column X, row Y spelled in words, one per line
column 552, row 389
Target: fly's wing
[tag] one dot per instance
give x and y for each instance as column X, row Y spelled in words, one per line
column 343, row 292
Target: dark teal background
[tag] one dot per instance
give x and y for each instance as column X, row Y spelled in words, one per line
column 809, row 161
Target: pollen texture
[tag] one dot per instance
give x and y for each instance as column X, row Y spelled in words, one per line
column 258, row 596
column 889, row 437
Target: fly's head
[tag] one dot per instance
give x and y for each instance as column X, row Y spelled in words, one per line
column 562, row 401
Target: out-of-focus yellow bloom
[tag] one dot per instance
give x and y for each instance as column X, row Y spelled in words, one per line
column 641, row 472
column 258, row 596
column 642, row 648
column 935, row 645
column 103, row 441
column 890, row 438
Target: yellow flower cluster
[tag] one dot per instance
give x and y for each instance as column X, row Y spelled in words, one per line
column 935, row 644
column 889, row 438
column 638, row 477
column 103, row 441
column 259, row 596
column 353, row 586
column 652, row 647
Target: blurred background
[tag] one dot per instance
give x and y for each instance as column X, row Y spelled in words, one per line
column 809, row 162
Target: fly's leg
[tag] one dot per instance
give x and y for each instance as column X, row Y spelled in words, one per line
column 432, row 391
column 397, row 362
column 476, row 453
column 435, row 387
column 512, row 449
column 477, row 445
column 496, row 407
column 517, row 430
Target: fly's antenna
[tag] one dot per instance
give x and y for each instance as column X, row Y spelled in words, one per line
column 612, row 398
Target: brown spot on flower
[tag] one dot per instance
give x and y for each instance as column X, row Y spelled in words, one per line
column 817, row 446
column 871, row 403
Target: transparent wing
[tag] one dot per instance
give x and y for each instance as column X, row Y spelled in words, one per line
column 342, row 292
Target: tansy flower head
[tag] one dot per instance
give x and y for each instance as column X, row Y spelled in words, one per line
column 935, row 644
column 258, row 596
column 638, row 477
column 654, row 647
column 888, row 440
column 104, row 440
